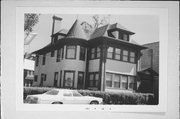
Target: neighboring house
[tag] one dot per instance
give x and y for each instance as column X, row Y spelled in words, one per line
column 107, row 61
column 29, row 64
column 149, row 70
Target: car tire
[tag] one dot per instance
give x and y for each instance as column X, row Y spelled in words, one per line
column 57, row 103
column 94, row 102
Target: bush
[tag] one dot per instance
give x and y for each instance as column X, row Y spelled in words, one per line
column 115, row 98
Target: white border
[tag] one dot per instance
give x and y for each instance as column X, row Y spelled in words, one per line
column 163, row 38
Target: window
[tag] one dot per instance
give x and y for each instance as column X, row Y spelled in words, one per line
column 68, row 79
column 124, row 81
column 132, row 57
column 109, row 78
column 44, row 77
column 125, row 37
column 58, row 55
column 120, row 81
column 52, row 53
column 82, row 53
column 110, row 52
column 117, row 54
column 71, row 52
column 55, row 79
column 60, row 78
column 131, row 82
column 94, row 79
column 44, row 59
column 76, row 94
column 62, row 55
column 80, row 80
column 98, row 52
column 125, row 55
column 52, row 92
column 117, row 79
column 67, row 94
column 91, row 80
column 35, row 78
column 92, row 53
column 37, row 60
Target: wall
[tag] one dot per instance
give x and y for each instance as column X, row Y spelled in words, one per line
column 52, row 66
column 120, row 67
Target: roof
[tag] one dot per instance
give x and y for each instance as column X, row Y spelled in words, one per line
column 63, row 31
column 102, row 31
column 148, row 71
column 120, row 27
column 76, row 31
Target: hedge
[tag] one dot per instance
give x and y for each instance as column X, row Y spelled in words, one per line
column 115, row 98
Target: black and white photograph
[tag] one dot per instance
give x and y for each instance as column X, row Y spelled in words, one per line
column 89, row 59
column 101, row 59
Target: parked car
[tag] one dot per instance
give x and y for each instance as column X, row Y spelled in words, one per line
column 62, row 96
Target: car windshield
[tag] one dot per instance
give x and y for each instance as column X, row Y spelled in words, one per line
column 76, row 94
column 52, row 92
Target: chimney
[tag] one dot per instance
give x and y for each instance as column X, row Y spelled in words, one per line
column 54, row 25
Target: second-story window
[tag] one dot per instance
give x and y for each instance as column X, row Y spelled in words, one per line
column 44, row 59
column 82, row 53
column 117, row 55
column 98, row 52
column 71, row 52
column 92, row 53
column 37, row 60
column 132, row 57
column 58, row 55
column 125, row 55
column 110, row 52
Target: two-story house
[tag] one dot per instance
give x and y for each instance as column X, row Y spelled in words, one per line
column 106, row 61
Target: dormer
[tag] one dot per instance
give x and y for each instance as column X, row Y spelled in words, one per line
column 59, row 35
column 119, row 32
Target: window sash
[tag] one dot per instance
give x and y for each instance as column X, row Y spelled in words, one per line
column 94, row 80
column 120, row 81
column 98, row 52
column 37, row 60
column 82, row 53
column 58, row 55
column 71, row 52
column 44, row 59
column 68, row 79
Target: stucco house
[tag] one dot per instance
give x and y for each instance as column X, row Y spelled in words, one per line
column 107, row 61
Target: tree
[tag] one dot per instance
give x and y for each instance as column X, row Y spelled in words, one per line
column 30, row 20
column 97, row 22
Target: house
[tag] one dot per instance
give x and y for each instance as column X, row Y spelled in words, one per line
column 148, row 74
column 107, row 61
column 28, row 69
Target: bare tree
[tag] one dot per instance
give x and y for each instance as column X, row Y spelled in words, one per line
column 98, row 21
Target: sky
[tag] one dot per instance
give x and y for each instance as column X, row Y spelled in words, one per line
column 145, row 27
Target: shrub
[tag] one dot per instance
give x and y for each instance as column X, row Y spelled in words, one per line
column 115, row 98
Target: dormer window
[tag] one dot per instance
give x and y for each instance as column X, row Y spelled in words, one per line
column 125, row 37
